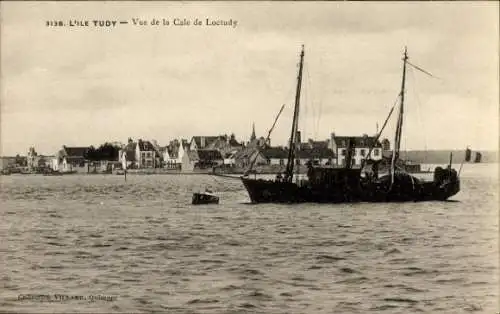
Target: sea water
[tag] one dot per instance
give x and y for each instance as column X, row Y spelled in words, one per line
column 103, row 244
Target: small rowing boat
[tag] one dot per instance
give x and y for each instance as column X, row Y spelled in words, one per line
column 206, row 197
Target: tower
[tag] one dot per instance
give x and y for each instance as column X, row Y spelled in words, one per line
column 253, row 137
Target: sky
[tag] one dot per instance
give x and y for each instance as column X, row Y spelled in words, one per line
column 80, row 86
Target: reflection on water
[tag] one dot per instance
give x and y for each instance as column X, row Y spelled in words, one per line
column 142, row 242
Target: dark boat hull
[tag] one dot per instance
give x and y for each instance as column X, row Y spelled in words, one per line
column 203, row 198
column 269, row 191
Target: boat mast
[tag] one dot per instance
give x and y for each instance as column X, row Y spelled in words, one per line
column 295, row 123
column 267, row 138
column 399, row 126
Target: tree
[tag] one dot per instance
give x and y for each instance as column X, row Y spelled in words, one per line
column 90, row 155
column 108, row 152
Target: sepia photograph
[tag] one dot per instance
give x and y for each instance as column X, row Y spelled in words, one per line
column 249, row 157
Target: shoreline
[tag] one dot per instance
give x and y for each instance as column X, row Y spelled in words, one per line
column 426, row 169
column 219, row 174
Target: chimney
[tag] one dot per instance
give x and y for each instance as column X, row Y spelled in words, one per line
column 202, row 142
column 299, row 140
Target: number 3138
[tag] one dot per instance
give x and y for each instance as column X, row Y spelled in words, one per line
column 54, row 23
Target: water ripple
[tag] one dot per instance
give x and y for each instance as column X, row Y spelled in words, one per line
column 143, row 242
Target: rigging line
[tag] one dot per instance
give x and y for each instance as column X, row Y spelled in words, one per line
column 405, row 137
column 314, row 104
column 315, row 115
column 307, row 96
column 304, row 116
column 382, row 129
column 288, row 97
column 422, row 70
column 267, row 138
column 419, row 105
column 319, row 115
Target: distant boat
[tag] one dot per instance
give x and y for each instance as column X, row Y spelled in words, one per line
column 325, row 184
column 478, row 158
column 468, row 154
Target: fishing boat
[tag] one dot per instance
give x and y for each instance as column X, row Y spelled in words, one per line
column 329, row 184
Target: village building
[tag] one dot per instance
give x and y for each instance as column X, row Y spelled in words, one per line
column 8, row 162
column 209, row 158
column 323, row 156
column 272, row 156
column 201, row 159
column 244, row 157
column 223, row 143
column 278, row 156
column 140, row 155
column 257, row 141
column 227, row 146
column 362, row 146
column 202, row 142
column 260, row 152
column 230, row 150
column 189, row 160
column 173, row 154
column 386, row 145
column 36, row 162
column 70, row 159
column 146, row 154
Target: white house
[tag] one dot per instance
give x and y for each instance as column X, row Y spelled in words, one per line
column 173, row 153
column 146, row 154
column 166, row 155
column 70, row 159
column 361, row 145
